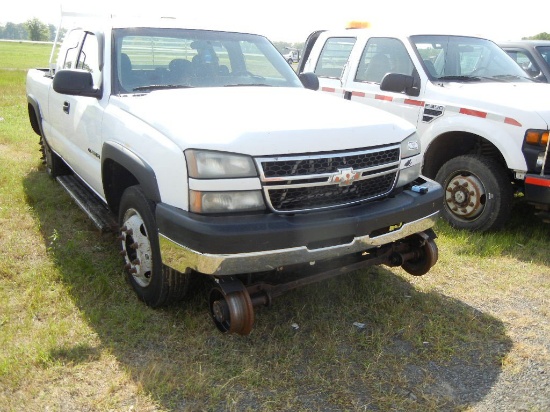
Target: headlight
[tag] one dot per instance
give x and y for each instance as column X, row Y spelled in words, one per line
column 540, row 161
column 203, row 164
column 226, row 202
column 409, row 174
column 410, row 146
column 535, row 149
column 411, row 168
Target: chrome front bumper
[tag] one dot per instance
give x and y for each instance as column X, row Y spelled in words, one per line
column 184, row 259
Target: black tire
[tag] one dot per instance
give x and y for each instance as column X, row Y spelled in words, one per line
column 290, row 61
column 154, row 283
column 55, row 166
column 478, row 193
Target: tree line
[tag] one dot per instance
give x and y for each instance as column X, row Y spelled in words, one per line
column 540, row 36
column 35, row 30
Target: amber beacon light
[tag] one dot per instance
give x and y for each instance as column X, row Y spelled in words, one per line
column 358, row 25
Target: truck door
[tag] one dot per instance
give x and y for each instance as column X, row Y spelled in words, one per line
column 77, row 119
column 382, row 55
column 331, row 63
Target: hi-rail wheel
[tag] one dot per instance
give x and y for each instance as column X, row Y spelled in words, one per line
column 427, row 255
column 231, row 308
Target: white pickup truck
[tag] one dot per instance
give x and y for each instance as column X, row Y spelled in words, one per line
column 482, row 122
column 207, row 154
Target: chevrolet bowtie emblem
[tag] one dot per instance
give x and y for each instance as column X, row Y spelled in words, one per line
column 345, row 177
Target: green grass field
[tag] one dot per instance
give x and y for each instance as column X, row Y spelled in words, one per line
column 73, row 337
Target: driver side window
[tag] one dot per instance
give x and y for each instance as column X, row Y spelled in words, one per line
column 89, row 58
column 70, row 49
column 334, row 57
column 381, row 56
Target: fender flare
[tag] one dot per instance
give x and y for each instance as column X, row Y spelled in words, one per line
column 138, row 167
column 36, row 117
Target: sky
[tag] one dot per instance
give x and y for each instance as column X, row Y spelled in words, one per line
column 293, row 20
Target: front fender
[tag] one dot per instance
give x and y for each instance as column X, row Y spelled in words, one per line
column 506, row 138
column 135, row 165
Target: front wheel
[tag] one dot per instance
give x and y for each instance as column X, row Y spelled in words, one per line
column 154, row 283
column 478, row 194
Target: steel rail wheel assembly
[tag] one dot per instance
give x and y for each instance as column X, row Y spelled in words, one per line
column 232, row 299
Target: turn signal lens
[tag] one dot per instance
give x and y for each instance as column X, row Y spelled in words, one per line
column 532, row 138
column 537, row 137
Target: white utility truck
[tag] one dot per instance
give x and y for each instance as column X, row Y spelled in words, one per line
column 482, row 122
column 208, row 155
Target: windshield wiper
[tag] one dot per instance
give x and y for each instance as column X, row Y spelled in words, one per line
column 496, row 78
column 161, row 87
column 247, row 84
column 503, row 77
column 461, row 78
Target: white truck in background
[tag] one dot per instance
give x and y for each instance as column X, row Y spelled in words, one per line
column 208, row 155
column 483, row 123
column 292, row 55
column 533, row 56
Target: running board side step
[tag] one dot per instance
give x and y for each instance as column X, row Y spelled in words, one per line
column 89, row 203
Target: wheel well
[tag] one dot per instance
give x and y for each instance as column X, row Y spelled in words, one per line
column 33, row 118
column 453, row 144
column 116, row 179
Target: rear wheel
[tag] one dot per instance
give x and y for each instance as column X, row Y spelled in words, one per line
column 55, row 166
column 478, row 194
column 154, row 283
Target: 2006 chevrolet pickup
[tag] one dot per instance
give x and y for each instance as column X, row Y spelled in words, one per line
column 210, row 156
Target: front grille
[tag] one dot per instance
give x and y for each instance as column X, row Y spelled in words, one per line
column 313, row 197
column 320, row 165
column 301, row 183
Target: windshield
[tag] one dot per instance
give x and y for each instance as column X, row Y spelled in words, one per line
column 465, row 58
column 147, row 59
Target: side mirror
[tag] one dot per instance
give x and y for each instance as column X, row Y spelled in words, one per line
column 75, row 83
column 399, row 83
column 309, row 80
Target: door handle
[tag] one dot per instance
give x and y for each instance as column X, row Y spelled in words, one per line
column 66, row 107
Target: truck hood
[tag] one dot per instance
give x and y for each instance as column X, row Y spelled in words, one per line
column 263, row 120
column 518, row 101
